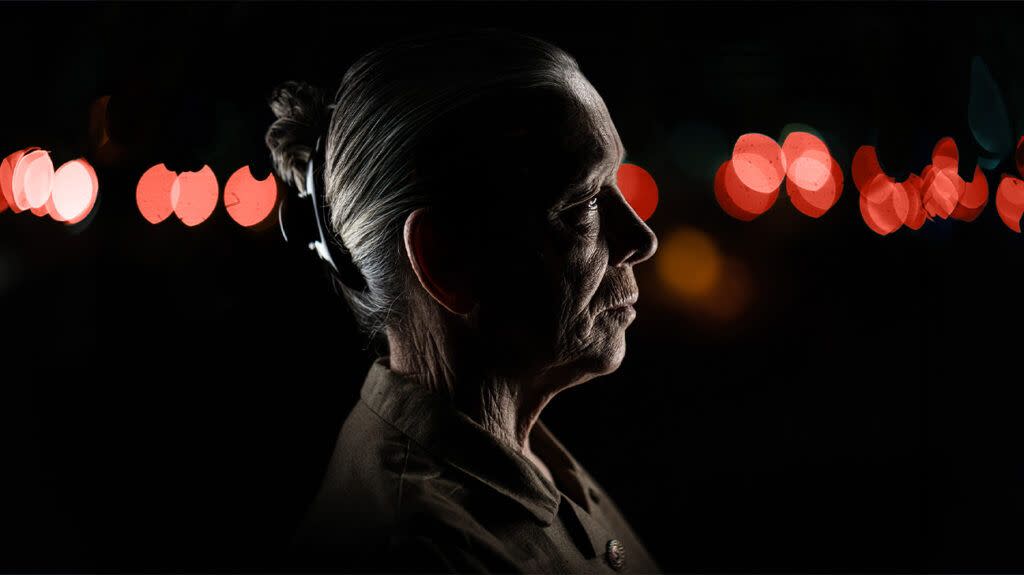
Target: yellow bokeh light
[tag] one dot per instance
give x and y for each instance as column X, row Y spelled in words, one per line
column 689, row 263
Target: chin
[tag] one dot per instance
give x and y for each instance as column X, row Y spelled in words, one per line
column 607, row 359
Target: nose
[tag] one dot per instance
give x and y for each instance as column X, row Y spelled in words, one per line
column 630, row 240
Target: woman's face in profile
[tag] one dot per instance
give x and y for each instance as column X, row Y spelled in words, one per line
column 561, row 301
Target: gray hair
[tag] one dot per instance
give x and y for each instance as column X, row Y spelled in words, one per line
column 388, row 112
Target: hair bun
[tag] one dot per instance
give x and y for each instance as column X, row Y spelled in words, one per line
column 302, row 115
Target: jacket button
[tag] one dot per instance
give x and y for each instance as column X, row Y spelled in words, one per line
column 615, row 553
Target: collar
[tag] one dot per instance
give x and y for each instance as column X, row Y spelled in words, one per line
column 431, row 421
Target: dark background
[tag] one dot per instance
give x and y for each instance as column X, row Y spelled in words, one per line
column 170, row 395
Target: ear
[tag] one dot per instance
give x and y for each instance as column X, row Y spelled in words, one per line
column 435, row 258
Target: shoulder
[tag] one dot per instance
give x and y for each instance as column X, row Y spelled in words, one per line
column 384, row 499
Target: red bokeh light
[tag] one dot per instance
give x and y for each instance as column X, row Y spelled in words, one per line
column 915, row 211
column 759, row 163
column 1010, row 201
column 865, row 167
column 746, row 203
column 75, row 188
column 884, row 205
column 194, row 196
column 638, row 187
column 249, row 201
column 723, row 198
column 942, row 191
column 153, row 194
column 32, row 180
column 974, row 198
column 945, row 155
column 815, row 202
column 7, row 177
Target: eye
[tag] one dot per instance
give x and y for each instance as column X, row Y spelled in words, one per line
column 592, row 203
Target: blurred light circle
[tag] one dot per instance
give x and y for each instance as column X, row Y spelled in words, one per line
column 884, row 212
column 865, row 166
column 75, row 187
column 153, row 193
column 745, row 198
column 689, row 263
column 194, row 195
column 247, row 200
column 759, row 163
column 32, row 180
column 974, row 198
column 915, row 213
column 639, row 189
column 726, row 203
column 1010, row 201
column 7, row 178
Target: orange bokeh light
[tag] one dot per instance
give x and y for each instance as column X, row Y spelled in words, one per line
column 1010, row 201
column 194, row 196
column 249, row 201
column 759, row 163
column 639, row 189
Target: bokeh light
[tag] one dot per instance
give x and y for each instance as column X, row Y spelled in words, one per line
column 689, row 263
column 725, row 201
column 916, row 215
column 32, row 180
column 865, row 167
column 942, row 191
column 1010, row 201
column 745, row 199
column 884, row 205
column 75, row 188
column 814, row 180
column 249, row 201
column 153, row 193
column 7, row 178
column 974, row 198
column 945, row 155
column 700, row 278
column 639, row 189
column 759, row 163
column 194, row 196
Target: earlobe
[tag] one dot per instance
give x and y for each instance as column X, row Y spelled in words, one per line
column 436, row 262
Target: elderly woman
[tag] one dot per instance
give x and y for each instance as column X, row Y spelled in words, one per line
column 471, row 179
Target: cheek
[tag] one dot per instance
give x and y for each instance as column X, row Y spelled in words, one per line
column 578, row 275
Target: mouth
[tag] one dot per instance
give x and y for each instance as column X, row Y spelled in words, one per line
column 628, row 302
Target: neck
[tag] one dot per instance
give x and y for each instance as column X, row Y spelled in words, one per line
column 508, row 408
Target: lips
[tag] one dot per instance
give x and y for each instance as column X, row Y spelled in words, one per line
column 629, row 300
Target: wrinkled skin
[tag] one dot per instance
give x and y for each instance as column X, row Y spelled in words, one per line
column 548, row 244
